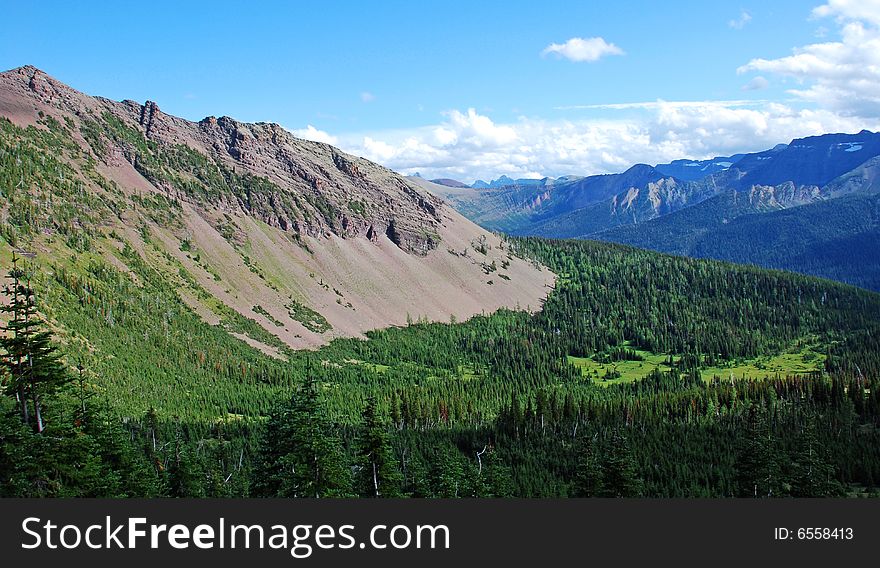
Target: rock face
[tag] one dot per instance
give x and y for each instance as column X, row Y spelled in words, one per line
column 305, row 187
column 304, row 242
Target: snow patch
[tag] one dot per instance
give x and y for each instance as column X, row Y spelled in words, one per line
column 850, row 146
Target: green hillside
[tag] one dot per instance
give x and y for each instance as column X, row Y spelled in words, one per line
column 152, row 398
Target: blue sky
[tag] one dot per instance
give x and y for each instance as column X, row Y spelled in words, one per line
column 466, row 89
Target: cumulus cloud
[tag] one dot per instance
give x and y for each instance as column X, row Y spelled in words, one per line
column 756, row 84
column 844, row 75
column 312, row 133
column 368, row 97
column 467, row 145
column 580, row 49
column 863, row 10
column 836, row 88
column 660, row 103
column 740, row 23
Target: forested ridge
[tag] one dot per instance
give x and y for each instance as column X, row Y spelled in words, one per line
column 486, row 407
column 114, row 386
column 834, row 238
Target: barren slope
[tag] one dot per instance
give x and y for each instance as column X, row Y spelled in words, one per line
column 308, row 241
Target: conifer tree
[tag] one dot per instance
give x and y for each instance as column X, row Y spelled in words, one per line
column 300, row 456
column 588, row 478
column 447, row 473
column 813, row 474
column 493, row 477
column 757, row 467
column 30, row 358
column 619, row 471
column 378, row 472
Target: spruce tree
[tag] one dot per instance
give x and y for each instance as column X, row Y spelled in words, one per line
column 619, row 471
column 588, row 480
column 757, row 467
column 300, row 455
column 378, row 472
column 30, row 358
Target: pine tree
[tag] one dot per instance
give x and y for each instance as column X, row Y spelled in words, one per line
column 588, row 478
column 757, row 467
column 378, row 473
column 30, row 358
column 619, row 471
column 300, row 456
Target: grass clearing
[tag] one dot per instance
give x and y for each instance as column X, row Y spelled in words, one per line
column 620, row 371
column 804, row 361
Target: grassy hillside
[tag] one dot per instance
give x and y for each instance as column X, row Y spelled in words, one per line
column 173, row 392
column 511, row 380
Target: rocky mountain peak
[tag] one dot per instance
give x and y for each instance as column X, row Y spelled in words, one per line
column 297, row 185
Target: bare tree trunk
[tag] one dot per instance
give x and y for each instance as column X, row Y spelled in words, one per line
column 38, row 414
column 480, row 461
column 23, row 403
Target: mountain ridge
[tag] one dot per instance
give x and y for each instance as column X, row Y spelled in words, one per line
column 303, row 240
column 551, row 209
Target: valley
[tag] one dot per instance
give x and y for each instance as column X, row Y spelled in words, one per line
column 793, row 207
column 238, row 312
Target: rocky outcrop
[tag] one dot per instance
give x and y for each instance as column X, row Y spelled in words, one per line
column 295, row 185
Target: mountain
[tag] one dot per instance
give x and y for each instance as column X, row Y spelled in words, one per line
column 581, row 206
column 502, row 208
column 831, row 231
column 505, row 181
column 448, row 182
column 816, row 160
column 176, row 264
column 833, row 238
column 692, row 170
column 247, row 222
column 809, row 206
column 794, row 174
column 500, row 182
column 780, row 208
column 539, row 206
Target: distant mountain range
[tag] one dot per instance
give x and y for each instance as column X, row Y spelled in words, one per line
column 504, row 181
column 808, row 206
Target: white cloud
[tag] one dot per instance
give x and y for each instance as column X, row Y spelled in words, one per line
column 580, row 49
column 756, row 84
column 477, row 131
column 312, row 133
column 836, row 88
column 650, row 105
column 844, row 75
column 468, row 145
column 864, row 10
column 368, row 97
column 740, row 23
